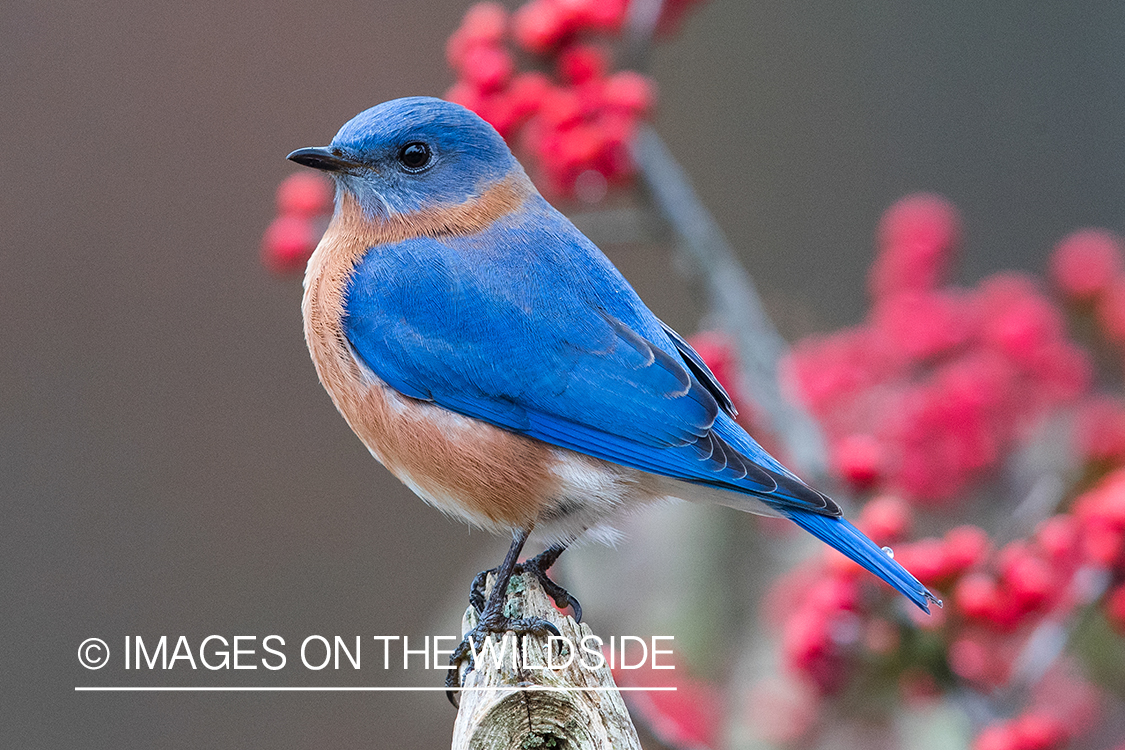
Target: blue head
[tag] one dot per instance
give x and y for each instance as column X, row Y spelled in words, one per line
column 411, row 154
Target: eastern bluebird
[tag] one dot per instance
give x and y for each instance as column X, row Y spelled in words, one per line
column 489, row 355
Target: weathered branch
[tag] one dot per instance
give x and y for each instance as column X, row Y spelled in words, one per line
column 513, row 705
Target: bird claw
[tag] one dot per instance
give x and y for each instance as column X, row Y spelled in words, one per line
column 487, row 627
column 490, row 611
column 476, row 591
column 535, row 566
column 561, row 596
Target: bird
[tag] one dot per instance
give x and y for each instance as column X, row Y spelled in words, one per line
column 491, row 357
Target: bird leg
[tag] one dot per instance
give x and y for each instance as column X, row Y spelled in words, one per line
column 491, row 619
column 538, row 567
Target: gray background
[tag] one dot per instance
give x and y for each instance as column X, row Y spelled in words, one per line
column 168, row 462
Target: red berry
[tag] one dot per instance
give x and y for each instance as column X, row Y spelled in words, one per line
column 925, row 222
column 925, row 323
column 527, row 92
column 973, row 406
column 578, row 148
column 805, row 638
column 1062, row 372
column 288, row 243
column 590, row 99
column 606, row 15
column 916, row 239
column 616, row 160
column 832, row 594
column 1102, row 543
column 1111, row 311
column 944, row 434
column 997, row 737
column 886, row 519
column 1037, row 731
column 631, row 92
column 1101, row 429
column 485, row 22
column 1030, row 580
column 969, row 659
column 1085, row 262
column 304, row 194
column 976, row 596
column 483, row 25
column 1022, row 325
column 1101, row 512
column 809, row 650
column 539, row 26
column 486, row 67
column 859, row 460
column 1058, row 538
column 499, row 111
column 580, row 63
column 560, row 109
column 577, row 15
column 456, row 47
column 1115, row 608
column 965, row 548
column 924, row 558
column 827, row 372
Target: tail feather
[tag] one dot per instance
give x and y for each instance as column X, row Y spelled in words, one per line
column 850, row 541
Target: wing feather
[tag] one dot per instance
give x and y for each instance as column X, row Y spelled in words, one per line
column 583, row 366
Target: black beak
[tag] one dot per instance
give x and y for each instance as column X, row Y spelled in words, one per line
column 325, row 159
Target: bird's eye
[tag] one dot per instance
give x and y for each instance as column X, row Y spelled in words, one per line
column 415, row 156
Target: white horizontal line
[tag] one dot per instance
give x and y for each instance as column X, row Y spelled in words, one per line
column 313, row 689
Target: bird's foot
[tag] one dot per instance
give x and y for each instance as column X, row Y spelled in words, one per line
column 493, row 614
column 536, row 566
column 475, row 643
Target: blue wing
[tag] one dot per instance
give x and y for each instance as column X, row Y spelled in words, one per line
column 538, row 333
column 527, row 326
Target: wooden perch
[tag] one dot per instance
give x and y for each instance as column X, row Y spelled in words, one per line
column 514, row 715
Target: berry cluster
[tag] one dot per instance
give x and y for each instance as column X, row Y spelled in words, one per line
column 304, row 202
column 833, row 615
column 575, row 118
column 949, row 380
column 1088, row 269
column 935, row 386
column 841, row 628
column 1099, row 539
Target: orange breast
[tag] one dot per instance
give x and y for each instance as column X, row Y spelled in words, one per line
column 490, row 477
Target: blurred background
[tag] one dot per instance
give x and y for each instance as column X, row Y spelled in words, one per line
column 169, row 463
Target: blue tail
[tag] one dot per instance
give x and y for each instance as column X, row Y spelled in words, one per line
column 841, row 535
